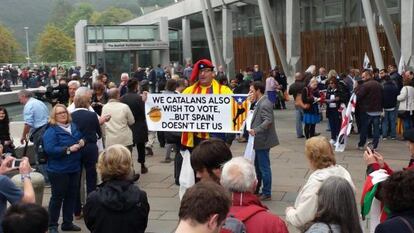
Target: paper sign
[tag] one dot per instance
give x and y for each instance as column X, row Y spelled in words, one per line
column 213, row 113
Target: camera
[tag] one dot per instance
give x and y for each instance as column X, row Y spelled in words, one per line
column 16, row 163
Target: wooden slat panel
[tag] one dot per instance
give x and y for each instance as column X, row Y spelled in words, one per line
column 334, row 49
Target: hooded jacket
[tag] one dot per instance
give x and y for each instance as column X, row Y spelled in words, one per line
column 261, row 222
column 117, row 206
column 306, row 203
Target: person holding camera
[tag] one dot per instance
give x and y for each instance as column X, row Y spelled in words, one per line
column 9, row 192
column 62, row 144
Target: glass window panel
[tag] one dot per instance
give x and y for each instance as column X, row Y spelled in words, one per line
column 99, row 35
column 143, row 33
column 333, row 10
column 91, row 35
column 392, row 3
column 115, row 33
column 173, row 35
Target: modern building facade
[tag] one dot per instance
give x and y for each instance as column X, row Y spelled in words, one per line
column 291, row 34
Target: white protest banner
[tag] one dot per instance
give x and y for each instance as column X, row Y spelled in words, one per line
column 213, row 113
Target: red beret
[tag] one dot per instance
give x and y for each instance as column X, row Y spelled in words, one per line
column 199, row 65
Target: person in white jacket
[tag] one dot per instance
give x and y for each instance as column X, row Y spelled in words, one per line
column 322, row 161
column 117, row 128
column 406, row 101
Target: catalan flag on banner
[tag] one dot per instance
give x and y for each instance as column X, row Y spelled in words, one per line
column 239, row 110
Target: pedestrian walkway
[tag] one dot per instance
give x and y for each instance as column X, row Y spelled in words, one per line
column 289, row 170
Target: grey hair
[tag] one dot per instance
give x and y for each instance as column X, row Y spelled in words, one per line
column 82, row 91
column 125, row 75
column 337, row 204
column 238, row 175
column 25, row 93
column 74, row 83
column 113, row 93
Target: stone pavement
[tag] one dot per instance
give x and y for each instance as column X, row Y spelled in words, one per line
column 289, row 171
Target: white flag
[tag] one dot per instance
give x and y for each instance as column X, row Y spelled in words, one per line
column 401, row 66
column 346, row 125
column 367, row 64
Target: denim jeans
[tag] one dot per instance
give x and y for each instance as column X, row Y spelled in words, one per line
column 365, row 122
column 64, row 188
column 89, row 160
column 389, row 120
column 407, row 123
column 299, row 125
column 334, row 122
column 262, row 165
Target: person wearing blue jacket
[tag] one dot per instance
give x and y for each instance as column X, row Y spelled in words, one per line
column 62, row 143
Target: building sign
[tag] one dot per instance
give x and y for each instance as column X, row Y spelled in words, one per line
column 196, row 113
column 136, row 45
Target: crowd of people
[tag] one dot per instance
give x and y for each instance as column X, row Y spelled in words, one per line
column 382, row 97
column 94, row 125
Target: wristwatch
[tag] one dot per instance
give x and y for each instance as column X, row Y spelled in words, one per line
column 68, row 151
column 23, row 176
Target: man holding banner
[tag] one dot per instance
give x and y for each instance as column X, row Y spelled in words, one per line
column 204, row 110
column 204, row 83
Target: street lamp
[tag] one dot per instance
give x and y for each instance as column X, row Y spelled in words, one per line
column 26, row 29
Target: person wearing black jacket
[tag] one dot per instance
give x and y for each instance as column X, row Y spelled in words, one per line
column 118, row 205
column 88, row 124
column 389, row 101
column 296, row 89
column 5, row 139
column 334, row 97
column 397, row 194
column 139, row 128
column 281, row 79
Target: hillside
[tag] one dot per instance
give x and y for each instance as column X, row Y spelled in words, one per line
column 35, row 14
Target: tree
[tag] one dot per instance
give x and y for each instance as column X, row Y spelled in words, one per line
column 111, row 16
column 54, row 45
column 60, row 11
column 83, row 11
column 9, row 51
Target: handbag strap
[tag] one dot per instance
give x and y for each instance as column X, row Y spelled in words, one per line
column 406, row 99
column 407, row 224
column 330, row 228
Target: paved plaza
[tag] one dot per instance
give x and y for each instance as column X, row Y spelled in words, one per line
column 289, row 170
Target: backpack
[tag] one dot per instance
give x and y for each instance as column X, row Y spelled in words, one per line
column 234, row 222
column 37, row 138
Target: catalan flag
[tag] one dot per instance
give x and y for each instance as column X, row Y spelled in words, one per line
column 239, row 110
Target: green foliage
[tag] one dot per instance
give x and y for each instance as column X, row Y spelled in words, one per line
column 112, row 15
column 9, row 51
column 83, row 11
column 54, row 45
column 60, row 12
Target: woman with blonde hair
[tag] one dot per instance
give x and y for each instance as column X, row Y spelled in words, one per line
column 62, row 143
column 118, row 205
column 321, row 158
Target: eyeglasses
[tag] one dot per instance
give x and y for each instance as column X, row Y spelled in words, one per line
column 61, row 113
column 206, row 70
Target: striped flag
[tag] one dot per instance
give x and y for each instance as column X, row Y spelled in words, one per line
column 401, row 66
column 370, row 206
column 346, row 125
column 240, row 108
column 367, row 63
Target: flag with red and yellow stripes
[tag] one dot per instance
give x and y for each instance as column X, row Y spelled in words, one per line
column 239, row 110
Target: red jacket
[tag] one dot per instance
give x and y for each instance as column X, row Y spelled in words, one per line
column 376, row 166
column 261, row 222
